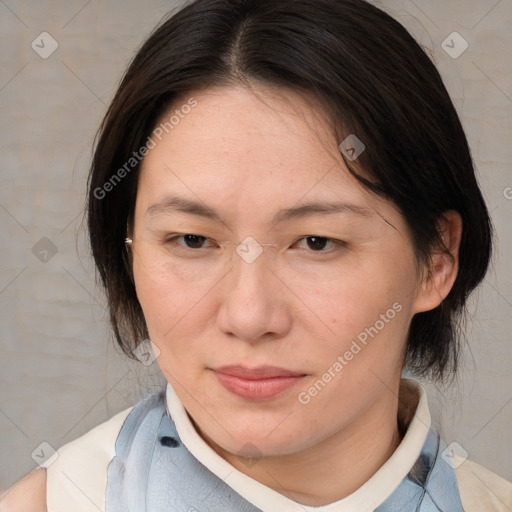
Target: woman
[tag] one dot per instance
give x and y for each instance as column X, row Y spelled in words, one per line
column 283, row 200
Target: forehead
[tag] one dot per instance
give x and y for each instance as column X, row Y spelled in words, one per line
column 261, row 148
column 238, row 124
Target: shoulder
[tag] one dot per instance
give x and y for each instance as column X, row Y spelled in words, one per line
column 481, row 489
column 27, row 495
column 77, row 477
column 74, row 477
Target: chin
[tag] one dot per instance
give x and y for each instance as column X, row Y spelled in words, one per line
column 255, row 443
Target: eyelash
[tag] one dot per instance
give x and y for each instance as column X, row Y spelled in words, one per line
column 334, row 243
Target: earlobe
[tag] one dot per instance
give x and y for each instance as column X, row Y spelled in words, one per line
column 440, row 276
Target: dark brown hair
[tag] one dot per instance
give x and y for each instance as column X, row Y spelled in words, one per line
column 374, row 80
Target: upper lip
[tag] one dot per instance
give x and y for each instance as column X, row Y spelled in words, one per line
column 260, row 372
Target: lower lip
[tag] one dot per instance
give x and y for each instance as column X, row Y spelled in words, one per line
column 256, row 389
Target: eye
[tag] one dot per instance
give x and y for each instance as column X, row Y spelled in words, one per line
column 320, row 243
column 189, row 241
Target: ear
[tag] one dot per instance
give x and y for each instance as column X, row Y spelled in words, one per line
column 438, row 279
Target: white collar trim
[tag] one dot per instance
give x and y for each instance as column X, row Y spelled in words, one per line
column 365, row 499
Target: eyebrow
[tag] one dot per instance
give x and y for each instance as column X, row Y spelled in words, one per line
column 176, row 204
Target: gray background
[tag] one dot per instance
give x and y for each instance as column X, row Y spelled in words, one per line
column 60, row 374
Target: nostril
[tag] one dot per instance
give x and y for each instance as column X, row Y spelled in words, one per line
column 169, row 441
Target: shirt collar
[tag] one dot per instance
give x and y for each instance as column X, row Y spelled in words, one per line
column 413, row 413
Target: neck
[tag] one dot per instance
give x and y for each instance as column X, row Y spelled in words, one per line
column 338, row 466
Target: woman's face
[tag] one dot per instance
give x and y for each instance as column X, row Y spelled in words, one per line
column 283, row 319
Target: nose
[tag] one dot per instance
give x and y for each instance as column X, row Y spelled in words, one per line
column 254, row 304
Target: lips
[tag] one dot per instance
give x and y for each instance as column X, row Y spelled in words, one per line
column 261, row 383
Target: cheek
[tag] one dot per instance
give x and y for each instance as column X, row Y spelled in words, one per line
column 352, row 294
column 369, row 320
column 363, row 313
column 173, row 301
